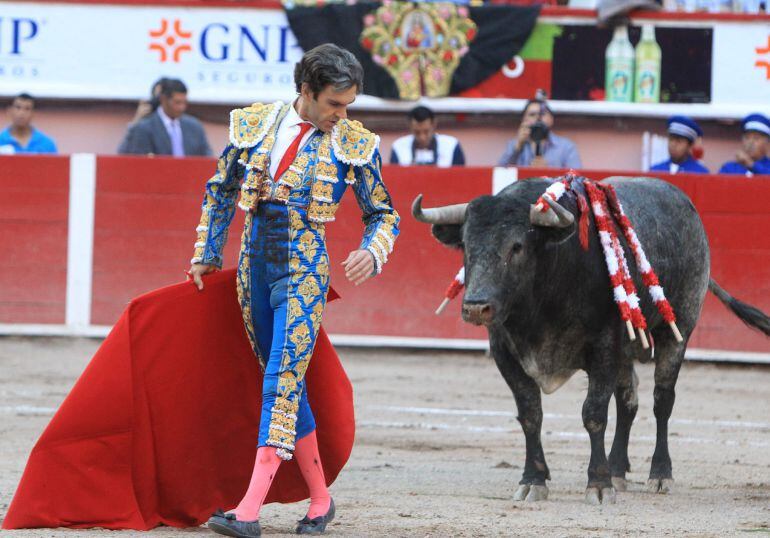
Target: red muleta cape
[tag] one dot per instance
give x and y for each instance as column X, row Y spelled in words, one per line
column 161, row 427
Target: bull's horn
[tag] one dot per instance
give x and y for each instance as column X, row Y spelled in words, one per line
column 448, row 214
column 555, row 217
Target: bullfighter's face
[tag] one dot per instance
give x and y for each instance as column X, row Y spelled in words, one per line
column 327, row 108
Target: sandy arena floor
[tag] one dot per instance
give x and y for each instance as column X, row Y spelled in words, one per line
column 439, row 452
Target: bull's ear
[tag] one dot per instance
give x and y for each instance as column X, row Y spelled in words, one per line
column 449, row 234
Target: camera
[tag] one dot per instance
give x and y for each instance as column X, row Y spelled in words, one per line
column 539, row 130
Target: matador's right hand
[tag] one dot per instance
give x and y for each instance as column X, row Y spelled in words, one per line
column 197, row 270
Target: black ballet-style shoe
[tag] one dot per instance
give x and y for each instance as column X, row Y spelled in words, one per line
column 226, row 524
column 317, row 525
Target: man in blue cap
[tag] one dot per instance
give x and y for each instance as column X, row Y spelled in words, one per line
column 752, row 158
column 682, row 134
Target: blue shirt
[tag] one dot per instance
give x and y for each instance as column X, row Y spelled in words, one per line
column 761, row 166
column 38, row 143
column 559, row 152
column 689, row 165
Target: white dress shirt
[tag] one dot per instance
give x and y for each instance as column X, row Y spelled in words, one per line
column 287, row 132
column 173, row 128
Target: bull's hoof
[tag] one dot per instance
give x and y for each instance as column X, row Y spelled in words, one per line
column 596, row 496
column 537, row 493
column 531, row 493
column 660, row 485
column 521, row 492
column 619, row 483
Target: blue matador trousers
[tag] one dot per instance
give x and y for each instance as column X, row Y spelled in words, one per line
column 283, row 277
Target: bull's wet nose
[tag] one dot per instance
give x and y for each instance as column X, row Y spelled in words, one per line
column 478, row 313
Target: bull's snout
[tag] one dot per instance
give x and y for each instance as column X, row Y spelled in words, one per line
column 478, row 313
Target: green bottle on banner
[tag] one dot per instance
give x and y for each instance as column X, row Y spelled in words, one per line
column 619, row 73
column 648, row 56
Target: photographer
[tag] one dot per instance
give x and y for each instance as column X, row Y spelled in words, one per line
column 536, row 145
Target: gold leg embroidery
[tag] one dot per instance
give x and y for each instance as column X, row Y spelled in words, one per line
column 306, row 299
column 244, row 288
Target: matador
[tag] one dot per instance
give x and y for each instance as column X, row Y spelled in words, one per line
column 291, row 164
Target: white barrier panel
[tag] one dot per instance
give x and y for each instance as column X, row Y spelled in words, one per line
column 80, row 240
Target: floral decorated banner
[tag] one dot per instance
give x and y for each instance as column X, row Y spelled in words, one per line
column 409, row 50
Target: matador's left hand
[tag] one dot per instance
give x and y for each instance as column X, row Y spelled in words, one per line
column 359, row 266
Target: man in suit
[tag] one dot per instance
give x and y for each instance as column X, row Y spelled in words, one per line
column 168, row 131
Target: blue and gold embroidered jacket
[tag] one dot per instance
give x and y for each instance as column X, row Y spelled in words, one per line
column 316, row 180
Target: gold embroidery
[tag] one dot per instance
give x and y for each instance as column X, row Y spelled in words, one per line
column 308, row 245
column 248, row 126
column 379, row 196
column 352, row 143
column 324, row 149
column 244, row 289
column 419, row 44
column 309, row 290
column 318, row 309
column 323, row 191
column 300, row 337
column 253, row 186
column 350, row 178
column 321, row 212
column 295, row 310
column 295, row 264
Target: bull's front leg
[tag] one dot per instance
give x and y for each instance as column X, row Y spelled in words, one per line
column 526, row 392
column 602, row 379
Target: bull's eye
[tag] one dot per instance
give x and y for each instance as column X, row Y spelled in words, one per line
column 515, row 249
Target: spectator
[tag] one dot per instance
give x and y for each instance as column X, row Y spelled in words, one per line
column 752, row 157
column 538, row 146
column 682, row 134
column 21, row 136
column 143, row 109
column 169, row 131
column 425, row 145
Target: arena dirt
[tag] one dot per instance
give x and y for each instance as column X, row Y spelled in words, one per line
column 439, row 451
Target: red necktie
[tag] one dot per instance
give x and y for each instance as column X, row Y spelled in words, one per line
column 291, row 151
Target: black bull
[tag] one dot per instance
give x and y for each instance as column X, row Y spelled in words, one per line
column 549, row 312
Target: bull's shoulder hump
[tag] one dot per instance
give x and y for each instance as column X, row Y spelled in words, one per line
column 644, row 186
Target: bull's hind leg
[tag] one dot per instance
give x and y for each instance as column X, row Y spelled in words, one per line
column 602, row 380
column 626, row 403
column 527, row 395
column 668, row 359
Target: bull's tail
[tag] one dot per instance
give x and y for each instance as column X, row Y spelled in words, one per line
column 751, row 316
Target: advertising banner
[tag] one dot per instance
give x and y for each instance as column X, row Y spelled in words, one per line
column 239, row 55
column 116, row 52
column 742, row 64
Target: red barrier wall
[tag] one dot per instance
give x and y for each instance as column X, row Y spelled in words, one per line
column 147, row 210
column 144, row 227
column 33, row 220
column 401, row 301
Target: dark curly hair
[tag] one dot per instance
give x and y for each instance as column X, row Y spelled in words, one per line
column 327, row 65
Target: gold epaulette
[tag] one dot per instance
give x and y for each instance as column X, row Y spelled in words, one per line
column 248, row 126
column 352, row 143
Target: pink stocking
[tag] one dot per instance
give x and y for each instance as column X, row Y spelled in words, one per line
column 309, row 461
column 265, row 467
